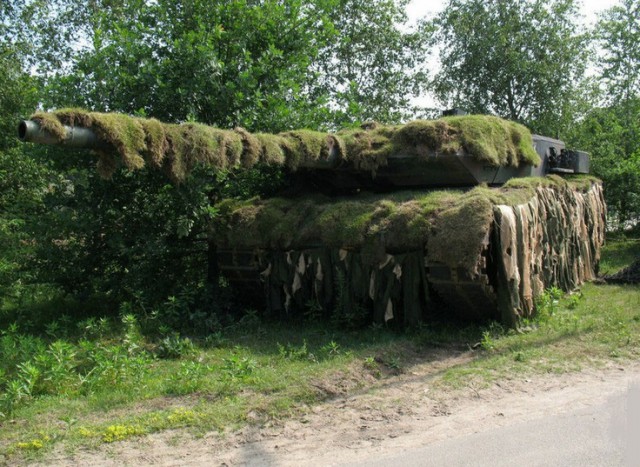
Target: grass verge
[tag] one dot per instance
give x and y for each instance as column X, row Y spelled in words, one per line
column 108, row 383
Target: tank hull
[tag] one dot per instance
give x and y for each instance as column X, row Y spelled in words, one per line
column 551, row 238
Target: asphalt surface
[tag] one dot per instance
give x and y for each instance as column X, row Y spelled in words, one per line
column 605, row 434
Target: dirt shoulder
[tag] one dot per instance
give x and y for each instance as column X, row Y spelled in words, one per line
column 400, row 412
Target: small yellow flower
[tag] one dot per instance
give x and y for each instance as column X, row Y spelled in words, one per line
column 121, row 432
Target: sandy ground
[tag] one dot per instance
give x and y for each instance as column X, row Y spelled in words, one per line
column 397, row 413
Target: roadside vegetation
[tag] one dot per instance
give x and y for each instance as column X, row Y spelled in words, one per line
column 80, row 383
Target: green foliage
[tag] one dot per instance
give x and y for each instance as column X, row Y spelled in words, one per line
column 374, row 64
column 519, row 60
column 264, row 66
column 253, row 377
column 302, row 352
column 224, row 63
column 23, row 179
column 622, row 252
column 292, row 352
column 611, row 131
column 547, row 304
column 573, row 301
column 189, row 378
column 139, row 240
column 612, row 136
column 17, row 97
column 32, row 367
column 618, row 35
column 186, row 311
column 490, row 334
column 331, row 349
column 236, row 367
column 174, row 346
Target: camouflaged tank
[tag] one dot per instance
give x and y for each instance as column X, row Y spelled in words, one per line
column 467, row 215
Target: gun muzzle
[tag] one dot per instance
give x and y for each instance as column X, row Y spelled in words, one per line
column 30, row 131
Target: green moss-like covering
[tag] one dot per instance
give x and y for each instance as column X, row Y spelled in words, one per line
column 251, row 148
column 459, row 231
column 306, row 147
column 125, row 134
column 178, row 148
column 489, row 139
column 272, row 148
column 493, row 140
column 452, row 224
column 156, row 142
column 50, row 122
column 579, row 182
column 369, row 147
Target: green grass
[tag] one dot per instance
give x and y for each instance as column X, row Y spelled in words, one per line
column 111, row 387
column 600, row 327
column 97, row 382
column 619, row 252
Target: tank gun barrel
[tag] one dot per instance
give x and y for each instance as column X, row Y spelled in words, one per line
column 30, row 131
column 177, row 148
column 445, row 152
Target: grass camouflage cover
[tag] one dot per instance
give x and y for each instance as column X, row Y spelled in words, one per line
column 178, row 148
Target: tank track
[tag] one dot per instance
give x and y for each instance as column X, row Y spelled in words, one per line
column 471, row 298
column 468, row 297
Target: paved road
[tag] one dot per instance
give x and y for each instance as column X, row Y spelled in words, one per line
column 605, row 434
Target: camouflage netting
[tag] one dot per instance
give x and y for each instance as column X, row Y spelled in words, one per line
column 486, row 253
column 552, row 240
column 139, row 142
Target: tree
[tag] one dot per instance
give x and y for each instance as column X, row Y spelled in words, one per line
column 611, row 132
column 519, row 60
column 604, row 133
column 618, row 34
column 226, row 63
column 375, row 64
column 264, row 65
column 22, row 176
